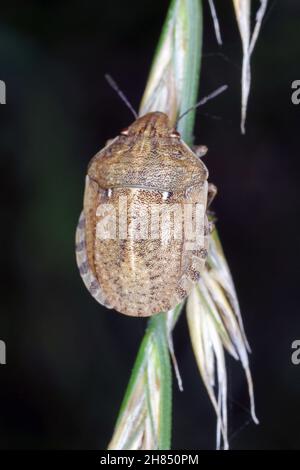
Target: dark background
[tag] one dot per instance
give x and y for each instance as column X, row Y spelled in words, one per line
column 68, row 360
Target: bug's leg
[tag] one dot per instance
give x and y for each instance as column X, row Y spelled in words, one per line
column 200, row 150
column 85, row 270
column 211, row 193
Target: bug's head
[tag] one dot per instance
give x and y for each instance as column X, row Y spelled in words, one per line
column 155, row 124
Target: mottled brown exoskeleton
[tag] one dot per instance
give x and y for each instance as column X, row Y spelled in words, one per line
column 148, row 165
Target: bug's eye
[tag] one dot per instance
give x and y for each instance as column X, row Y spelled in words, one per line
column 175, row 133
column 124, row 131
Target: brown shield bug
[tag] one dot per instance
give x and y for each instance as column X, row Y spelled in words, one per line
column 136, row 267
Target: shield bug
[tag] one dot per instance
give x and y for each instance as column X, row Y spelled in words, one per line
column 146, row 191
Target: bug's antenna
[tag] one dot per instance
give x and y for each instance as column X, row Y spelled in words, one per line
column 204, row 100
column 115, row 87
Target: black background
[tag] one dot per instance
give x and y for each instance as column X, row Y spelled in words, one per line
column 68, row 360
